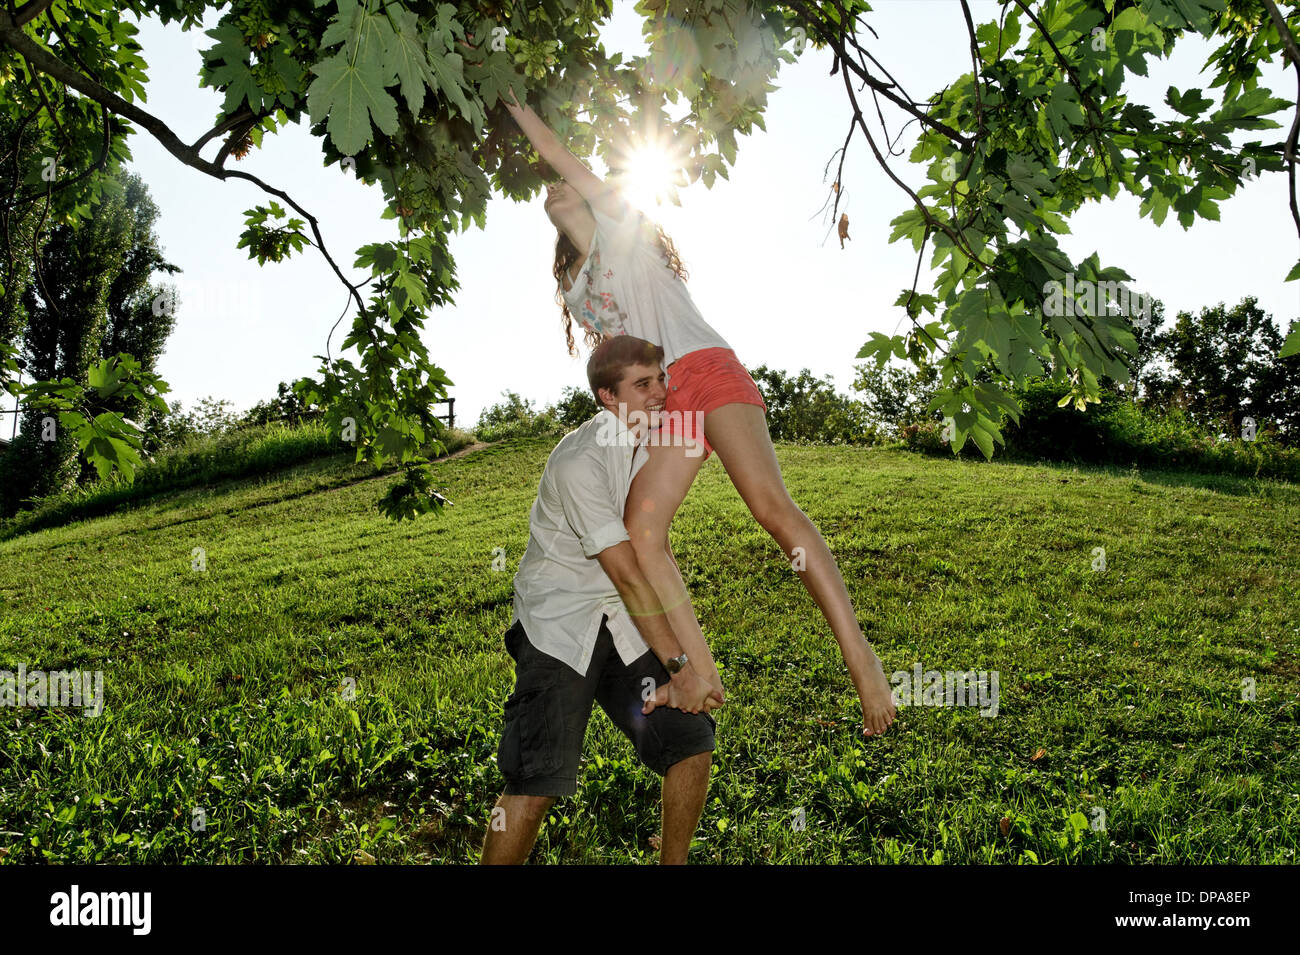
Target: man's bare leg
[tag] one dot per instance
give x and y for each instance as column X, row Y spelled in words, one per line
column 686, row 785
column 512, row 832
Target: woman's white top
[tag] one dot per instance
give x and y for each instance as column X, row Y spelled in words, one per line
column 626, row 287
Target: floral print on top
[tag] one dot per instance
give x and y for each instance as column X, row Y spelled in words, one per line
column 599, row 311
column 629, row 290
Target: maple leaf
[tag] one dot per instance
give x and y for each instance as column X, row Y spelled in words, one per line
column 351, row 95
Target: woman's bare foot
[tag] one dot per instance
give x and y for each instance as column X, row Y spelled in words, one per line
column 876, row 695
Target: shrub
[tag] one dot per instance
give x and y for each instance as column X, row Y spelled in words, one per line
column 1117, row 431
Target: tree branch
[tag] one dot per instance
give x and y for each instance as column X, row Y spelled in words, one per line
column 1084, row 96
column 229, row 123
column 30, row 11
column 1293, row 50
column 1288, row 41
column 38, row 57
column 885, row 89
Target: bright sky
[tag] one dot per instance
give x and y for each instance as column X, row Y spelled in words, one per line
column 765, row 267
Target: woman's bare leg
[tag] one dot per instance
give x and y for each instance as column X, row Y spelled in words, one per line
column 738, row 433
column 657, row 492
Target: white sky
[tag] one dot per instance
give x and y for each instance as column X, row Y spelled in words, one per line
column 765, row 269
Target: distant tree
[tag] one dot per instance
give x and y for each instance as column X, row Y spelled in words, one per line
column 514, row 418
column 1278, row 394
column 1148, row 381
column 285, row 405
column 210, row 417
column 1225, row 368
column 22, row 145
column 141, row 313
column 896, row 396
column 513, row 409
column 575, row 406
column 67, row 314
column 804, row 408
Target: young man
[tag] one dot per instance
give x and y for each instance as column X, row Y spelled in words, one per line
column 588, row 626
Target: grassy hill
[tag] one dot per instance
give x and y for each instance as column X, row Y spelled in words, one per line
column 329, row 686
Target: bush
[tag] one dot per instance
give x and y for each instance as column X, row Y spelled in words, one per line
column 805, row 409
column 575, row 406
column 515, row 418
column 1117, row 431
column 895, row 397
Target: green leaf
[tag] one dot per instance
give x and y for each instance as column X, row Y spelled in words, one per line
column 994, row 397
column 984, row 441
column 105, row 377
column 910, row 223
column 1292, row 344
column 1248, row 109
column 405, row 56
column 230, row 59
column 351, row 95
column 1191, row 103
column 879, row 347
column 448, row 78
column 493, row 77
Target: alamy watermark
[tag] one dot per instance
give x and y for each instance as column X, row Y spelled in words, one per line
column 75, row 907
column 1091, row 298
column 661, row 428
column 56, row 688
column 947, row 688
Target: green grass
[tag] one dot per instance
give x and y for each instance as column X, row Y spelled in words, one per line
column 223, row 685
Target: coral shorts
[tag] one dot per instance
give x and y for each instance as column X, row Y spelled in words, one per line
column 699, row 382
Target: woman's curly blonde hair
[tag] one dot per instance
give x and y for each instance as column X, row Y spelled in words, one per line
column 566, row 253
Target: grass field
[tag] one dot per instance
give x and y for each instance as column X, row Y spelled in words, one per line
column 329, row 686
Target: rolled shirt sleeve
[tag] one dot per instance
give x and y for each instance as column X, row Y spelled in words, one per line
column 587, row 498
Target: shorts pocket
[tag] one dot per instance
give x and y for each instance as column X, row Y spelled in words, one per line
column 533, row 734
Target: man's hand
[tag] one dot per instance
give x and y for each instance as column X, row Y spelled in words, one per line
column 687, row 691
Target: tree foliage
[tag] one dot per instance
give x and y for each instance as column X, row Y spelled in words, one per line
column 1225, row 369
column 805, row 408
column 408, row 95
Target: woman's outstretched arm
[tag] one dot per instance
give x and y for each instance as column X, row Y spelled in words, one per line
column 573, row 170
column 569, row 167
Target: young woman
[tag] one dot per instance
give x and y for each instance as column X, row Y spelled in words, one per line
column 622, row 276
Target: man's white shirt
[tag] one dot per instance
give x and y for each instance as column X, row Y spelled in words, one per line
column 561, row 590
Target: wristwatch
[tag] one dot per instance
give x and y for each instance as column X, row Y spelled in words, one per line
column 674, row 664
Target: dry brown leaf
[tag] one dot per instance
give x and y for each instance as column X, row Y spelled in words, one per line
column 844, row 228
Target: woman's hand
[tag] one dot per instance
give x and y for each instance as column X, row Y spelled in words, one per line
column 471, row 48
column 513, row 101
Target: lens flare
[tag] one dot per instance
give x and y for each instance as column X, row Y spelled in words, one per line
column 649, row 168
column 648, row 178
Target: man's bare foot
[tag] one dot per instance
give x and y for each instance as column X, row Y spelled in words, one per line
column 877, row 698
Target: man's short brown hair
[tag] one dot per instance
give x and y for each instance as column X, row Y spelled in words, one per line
column 611, row 358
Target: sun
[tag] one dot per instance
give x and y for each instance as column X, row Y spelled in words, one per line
column 649, row 173
column 648, row 178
